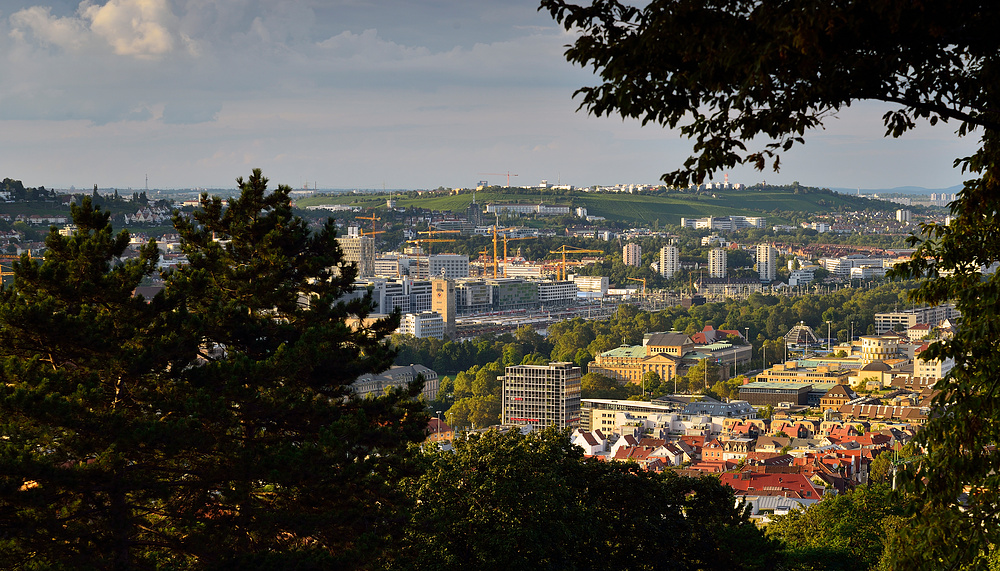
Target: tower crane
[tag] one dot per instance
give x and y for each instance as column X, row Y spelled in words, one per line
column 373, row 218
column 564, row 249
column 507, row 174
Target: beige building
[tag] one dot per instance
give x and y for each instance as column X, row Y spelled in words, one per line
column 632, row 255
column 717, row 258
column 670, row 261
column 360, row 250
column 790, row 372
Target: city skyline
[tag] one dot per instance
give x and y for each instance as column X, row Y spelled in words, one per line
column 358, row 95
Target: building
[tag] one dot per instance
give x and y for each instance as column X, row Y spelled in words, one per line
column 542, row 395
column 422, row 325
column 632, row 254
column 397, row 377
column 444, row 303
column 903, row 320
column 767, row 262
column 770, row 393
column 630, row 364
column 527, row 209
column 903, row 216
column 447, row 265
column 405, row 294
column 592, row 284
column 724, row 222
column 729, row 287
column 801, row 276
column 360, row 250
column 556, row 293
column 670, row 261
column 717, row 263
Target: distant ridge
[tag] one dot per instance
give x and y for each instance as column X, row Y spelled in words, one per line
column 899, row 190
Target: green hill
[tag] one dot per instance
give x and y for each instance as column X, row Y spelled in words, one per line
column 775, row 202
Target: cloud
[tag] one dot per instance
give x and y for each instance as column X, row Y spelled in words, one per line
column 144, row 29
column 138, row 28
column 66, row 33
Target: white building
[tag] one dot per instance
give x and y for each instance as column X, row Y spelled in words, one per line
column 801, row 276
column 421, row 325
column 397, row 377
column 724, row 222
column 632, row 254
column 542, row 395
column 903, row 216
column 670, row 261
column 448, row 265
column 592, row 283
column 717, row 263
column 556, row 292
column 767, row 262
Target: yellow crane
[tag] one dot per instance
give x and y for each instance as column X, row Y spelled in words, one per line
column 422, row 241
column 643, row 280
column 373, row 218
column 563, row 250
column 430, row 233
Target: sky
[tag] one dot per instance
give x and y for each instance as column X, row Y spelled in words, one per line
column 357, row 94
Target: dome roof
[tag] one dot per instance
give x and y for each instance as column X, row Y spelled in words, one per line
column 876, row 366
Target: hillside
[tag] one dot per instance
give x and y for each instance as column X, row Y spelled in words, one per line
column 639, row 209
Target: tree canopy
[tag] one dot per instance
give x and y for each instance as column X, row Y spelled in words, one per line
column 211, row 427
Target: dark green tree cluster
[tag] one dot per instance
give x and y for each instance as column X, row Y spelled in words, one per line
column 510, row 501
column 210, row 427
column 845, row 532
column 17, row 192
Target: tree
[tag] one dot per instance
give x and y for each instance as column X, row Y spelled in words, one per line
column 80, row 437
column 846, row 531
column 293, row 463
column 728, row 73
column 504, row 500
column 211, row 427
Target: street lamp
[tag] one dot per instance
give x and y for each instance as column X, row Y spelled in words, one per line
column 828, row 336
column 747, row 329
column 438, row 427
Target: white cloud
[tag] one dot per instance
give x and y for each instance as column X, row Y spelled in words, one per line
column 67, row 33
column 144, row 29
column 139, row 28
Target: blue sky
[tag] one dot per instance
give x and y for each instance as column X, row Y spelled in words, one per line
column 355, row 94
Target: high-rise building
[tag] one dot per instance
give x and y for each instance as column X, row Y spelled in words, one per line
column 717, row 263
column 542, row 395
column 360, row 250
column 443, row 302
column 767, row 262
column 632, row 255
column 670, row 261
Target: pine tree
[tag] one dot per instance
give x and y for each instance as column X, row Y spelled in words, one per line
column 290, row 466
column 80, row 437
column 211, row 427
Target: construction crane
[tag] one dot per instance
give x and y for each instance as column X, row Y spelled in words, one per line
column 483, row 257
column 422, row 241
column 373, row 218
column 570, row 250
column 505, row 239
column 642, row 295
column 430, row 233
column 507, row 174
